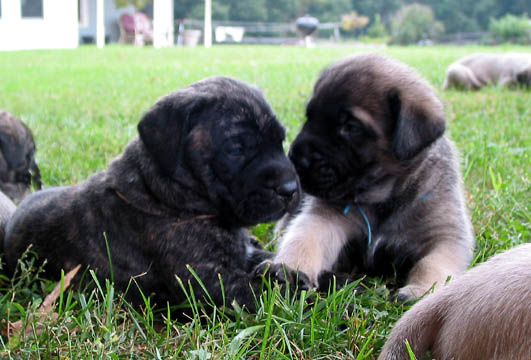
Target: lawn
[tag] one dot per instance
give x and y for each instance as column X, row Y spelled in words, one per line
column 83, row 106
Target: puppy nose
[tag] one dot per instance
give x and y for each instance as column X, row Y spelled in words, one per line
column 287, row 189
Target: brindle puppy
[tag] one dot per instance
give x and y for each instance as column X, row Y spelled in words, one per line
column 208, row 163
column 17, row 158
column 384, row 192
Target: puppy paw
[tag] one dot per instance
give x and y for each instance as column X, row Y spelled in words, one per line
column 328, row 279
column 283, row 274
column 410, row 293
column 254, row 242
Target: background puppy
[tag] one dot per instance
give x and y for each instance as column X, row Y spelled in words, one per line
column 208, row 163
column 384, row 189
column 484, row 314
column 478, row 70
column 17, row 158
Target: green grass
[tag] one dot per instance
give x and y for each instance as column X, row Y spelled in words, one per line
column 83, row 107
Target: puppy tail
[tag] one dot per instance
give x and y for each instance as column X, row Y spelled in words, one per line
column 419, row 327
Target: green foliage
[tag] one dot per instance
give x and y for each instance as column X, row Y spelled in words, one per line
column 254, row 10
column 511, row 28
column 220, row 11
column 139, row 4
column 456, row 15
column 83, row 113
column 325, row 10
column 413, row 23
column 377, row 29
column 281, row 10
column 353, row 21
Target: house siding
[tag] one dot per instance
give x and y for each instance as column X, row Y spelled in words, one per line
column 57, row 29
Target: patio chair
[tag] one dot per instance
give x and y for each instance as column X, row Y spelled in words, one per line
column 143, row 29
column 135, row 29
column 127, row 29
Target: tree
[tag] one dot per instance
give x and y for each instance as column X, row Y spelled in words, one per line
column 281, row 10
column 353, row 21
column 139, row 4
column 220, row 10
column 377, row 29
column 248, row 10
column 512, row 28
column 324, row 10
column 385, row 8
column 413, row 23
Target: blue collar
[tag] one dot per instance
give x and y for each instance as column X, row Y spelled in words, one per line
column 366, row 218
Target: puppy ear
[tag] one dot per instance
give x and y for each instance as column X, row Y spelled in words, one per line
column 13, row 151
column 164, row 127
column 418, row 122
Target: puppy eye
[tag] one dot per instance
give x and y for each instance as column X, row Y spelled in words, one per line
column 235, row 150
column 350, row 126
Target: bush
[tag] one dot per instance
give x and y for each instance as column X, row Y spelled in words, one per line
column 413, row 23
column 511, row 28
column 377, row 29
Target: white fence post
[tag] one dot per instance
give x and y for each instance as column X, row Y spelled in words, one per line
column 100, row 25
column 207, row 31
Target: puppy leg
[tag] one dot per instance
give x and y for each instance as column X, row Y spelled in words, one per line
column 223, row 285
column 447, row 259
column 313, row 241
column 508, row 81
column 255, row 254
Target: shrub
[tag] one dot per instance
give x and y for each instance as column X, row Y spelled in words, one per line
column 377, row 29
column 413, row 23
column 511, row 28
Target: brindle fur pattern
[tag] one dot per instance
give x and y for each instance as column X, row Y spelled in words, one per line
column 374, row 139
column 208, row 163
column 17, row 158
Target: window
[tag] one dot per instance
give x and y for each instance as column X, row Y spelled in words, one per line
column 31, row 8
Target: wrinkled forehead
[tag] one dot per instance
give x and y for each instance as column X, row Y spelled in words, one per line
column 247, row 115
column 238, row 107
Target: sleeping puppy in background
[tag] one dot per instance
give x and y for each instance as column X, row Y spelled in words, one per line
column 484, row 314
column 478, row 70
column 17, row 158
column 382, row 182
column 208, row 163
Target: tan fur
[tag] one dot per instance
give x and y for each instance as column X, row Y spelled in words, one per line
column 478, row 70
column 314, row 239
column 434, row 235
column 484, row 314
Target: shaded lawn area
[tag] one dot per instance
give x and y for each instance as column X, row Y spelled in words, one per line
column 83, row 107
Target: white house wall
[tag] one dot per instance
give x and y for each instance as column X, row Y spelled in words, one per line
column 57, row 29
column 112, row 15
